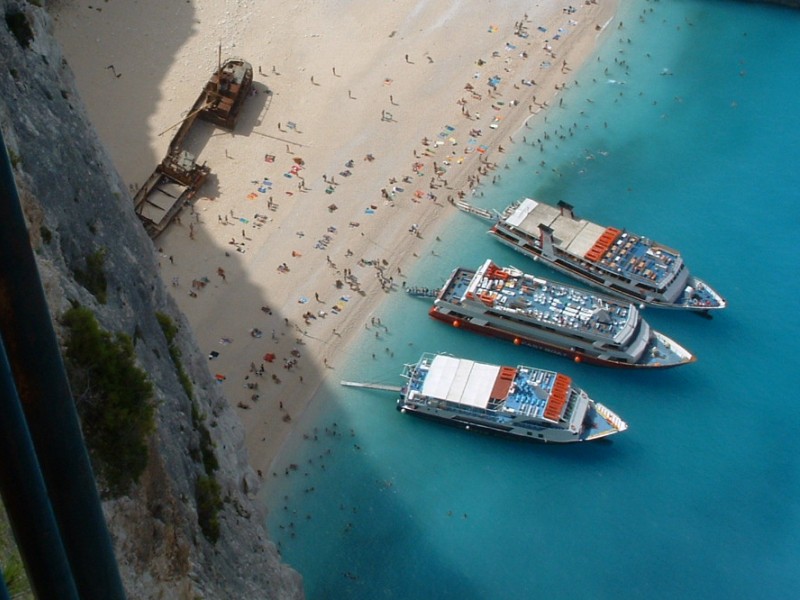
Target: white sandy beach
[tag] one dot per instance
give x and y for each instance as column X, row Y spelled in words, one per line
column 347, row 81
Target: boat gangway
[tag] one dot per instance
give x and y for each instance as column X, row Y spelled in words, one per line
column 373, row 386
column 478, row 212
column 422, row 292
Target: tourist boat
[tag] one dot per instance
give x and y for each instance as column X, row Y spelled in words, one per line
column 226, row 91
column 618, row 262
column 520, row 402
column 509, row 304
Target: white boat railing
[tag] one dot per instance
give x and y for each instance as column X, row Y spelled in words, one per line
column 372, row 386
column 474, row 210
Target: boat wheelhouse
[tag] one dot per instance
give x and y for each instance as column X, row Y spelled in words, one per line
column 226, row 92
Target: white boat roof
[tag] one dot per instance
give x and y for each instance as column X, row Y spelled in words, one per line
column 460, row 380
column 634, row 257
column 576, row 236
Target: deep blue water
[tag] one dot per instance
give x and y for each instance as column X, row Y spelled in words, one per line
column 694, row 145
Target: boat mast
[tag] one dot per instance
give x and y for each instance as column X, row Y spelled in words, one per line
column 218, row 84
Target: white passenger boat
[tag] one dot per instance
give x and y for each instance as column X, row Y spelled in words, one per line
column 616, row 261
column 520, row 402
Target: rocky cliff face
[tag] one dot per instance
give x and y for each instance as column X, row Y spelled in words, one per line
column 76, row 204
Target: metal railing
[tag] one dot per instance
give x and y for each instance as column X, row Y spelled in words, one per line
column 46, row 479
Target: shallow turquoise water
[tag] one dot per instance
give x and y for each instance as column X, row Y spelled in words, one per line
column 694, row 145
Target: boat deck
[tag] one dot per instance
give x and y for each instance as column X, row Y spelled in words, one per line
column 627, row 254
column 522, row 391
column 532, row 391
column 509, row 291
column 636, row 257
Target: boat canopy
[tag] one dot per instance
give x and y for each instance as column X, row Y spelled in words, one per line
column 576, row 236
column 558, row 398
column 459, row 380
column 522, row 211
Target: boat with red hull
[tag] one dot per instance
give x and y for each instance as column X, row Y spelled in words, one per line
column 551, row 316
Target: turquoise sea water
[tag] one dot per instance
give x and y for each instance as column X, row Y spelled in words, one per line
column 694, row 144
